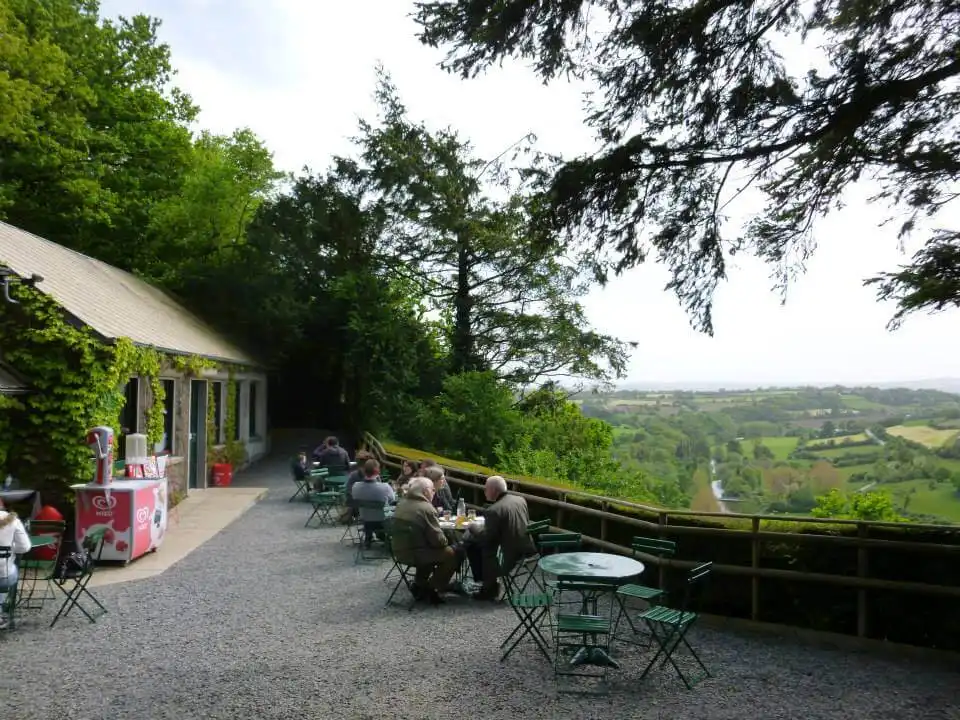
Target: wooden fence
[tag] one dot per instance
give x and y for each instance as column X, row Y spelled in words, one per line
column 834, row 556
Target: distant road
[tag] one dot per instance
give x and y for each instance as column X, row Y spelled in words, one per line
column 869, row 433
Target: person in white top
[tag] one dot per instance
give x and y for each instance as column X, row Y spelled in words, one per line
column 14, row 536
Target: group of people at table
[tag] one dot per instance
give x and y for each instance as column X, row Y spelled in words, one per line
column 492, row 544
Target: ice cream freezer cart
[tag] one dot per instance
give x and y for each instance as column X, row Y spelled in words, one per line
column 133, row 511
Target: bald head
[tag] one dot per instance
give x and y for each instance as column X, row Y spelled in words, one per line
column 494, row 487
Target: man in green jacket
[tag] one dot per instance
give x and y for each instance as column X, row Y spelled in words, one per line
column 419, row 541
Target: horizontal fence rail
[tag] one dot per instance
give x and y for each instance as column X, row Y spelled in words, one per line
column 615, row 521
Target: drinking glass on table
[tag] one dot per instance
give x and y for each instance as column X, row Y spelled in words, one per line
column 471, row 515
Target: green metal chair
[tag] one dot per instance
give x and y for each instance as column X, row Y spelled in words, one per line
column 584, row 635
column 362, row 551
column 669, row 627
column 526, row 569
column 75, row 573
column 647, row 546
column 405, row 572
column 533, row 612
column 324, row 504
column 304, row 484
column 37, row 575
column 550, row 543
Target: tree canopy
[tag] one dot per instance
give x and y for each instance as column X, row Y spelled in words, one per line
column 700, row 102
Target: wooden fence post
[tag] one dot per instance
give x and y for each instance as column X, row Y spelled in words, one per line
column 862, row 572
column 755, row 564
column 662, row 566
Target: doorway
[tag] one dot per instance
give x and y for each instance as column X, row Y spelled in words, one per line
column 198, row 430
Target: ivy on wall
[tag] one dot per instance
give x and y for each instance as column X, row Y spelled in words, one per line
column 78, row 381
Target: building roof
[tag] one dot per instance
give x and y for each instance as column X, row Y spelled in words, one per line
column 111, row 301
column 10, row 382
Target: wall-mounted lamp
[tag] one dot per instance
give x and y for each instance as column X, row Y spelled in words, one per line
column 7, row 276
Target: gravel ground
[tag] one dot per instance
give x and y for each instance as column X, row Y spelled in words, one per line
column 271, row 620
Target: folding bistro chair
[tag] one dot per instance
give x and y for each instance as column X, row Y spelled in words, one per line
column 75, row 573
column 405, row 572
column 585, row 634
column 649, row 546
column 526, row 568
column 669, row 627
column 531, row 609
column 550, row 543
column 37, row 575
column 303, row 485
column 363, row 552
column 323, row 503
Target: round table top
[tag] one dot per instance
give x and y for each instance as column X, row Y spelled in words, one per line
column 589, row 565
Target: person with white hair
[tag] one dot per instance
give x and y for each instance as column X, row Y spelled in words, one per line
column 13, row 537
column 418, row 540
column 504, row 530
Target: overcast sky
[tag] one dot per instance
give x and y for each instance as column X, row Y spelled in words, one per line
column 300, row 73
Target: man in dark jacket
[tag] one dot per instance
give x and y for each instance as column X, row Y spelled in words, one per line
column 418, row 540
column 505, row 529
column 332, row 457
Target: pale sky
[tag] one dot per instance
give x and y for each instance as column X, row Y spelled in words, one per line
column 300, row 74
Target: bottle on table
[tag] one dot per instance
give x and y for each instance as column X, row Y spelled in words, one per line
column 461, row 508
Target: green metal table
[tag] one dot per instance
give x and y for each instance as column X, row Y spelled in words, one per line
column 587, row 566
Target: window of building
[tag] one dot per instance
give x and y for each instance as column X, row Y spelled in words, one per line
column 218, row 413
column 236, row 410
column 252, row 409
column 169, row 393
column 129, row 416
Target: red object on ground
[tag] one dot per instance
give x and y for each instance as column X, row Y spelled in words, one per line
column 50, row 514
column 222, row 474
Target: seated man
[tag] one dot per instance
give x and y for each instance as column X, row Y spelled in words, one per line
column 332, row 457
column 350, row 508
column 418, row 540
column 505, row 529
column 372, row 490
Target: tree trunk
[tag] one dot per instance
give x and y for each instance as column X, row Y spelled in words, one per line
column 463, row 356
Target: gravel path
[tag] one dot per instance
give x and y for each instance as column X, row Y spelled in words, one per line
column 271, row 620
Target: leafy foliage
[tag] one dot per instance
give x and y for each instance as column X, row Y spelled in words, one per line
column 876, row 506
column 511, row 304
column 77, row 381
column 697, row 104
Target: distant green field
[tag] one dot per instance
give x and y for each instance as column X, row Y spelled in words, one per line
column 924, row 434
column 781, row 447
column 837, row 442
column 838, row 451
column 855, row 402
column 942, row 501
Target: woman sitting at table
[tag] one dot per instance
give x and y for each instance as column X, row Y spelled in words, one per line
column 408, row 471
column 14, row 536
column 442, row 498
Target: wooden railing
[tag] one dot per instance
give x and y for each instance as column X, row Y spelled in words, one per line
column 609, row 523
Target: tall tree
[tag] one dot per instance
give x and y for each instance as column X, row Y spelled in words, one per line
column 348, row 346
column 92, row 134
column 697, row 104
column 512, row 305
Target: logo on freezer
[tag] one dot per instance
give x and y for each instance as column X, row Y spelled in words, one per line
column 143, row 514
column 102, row 502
